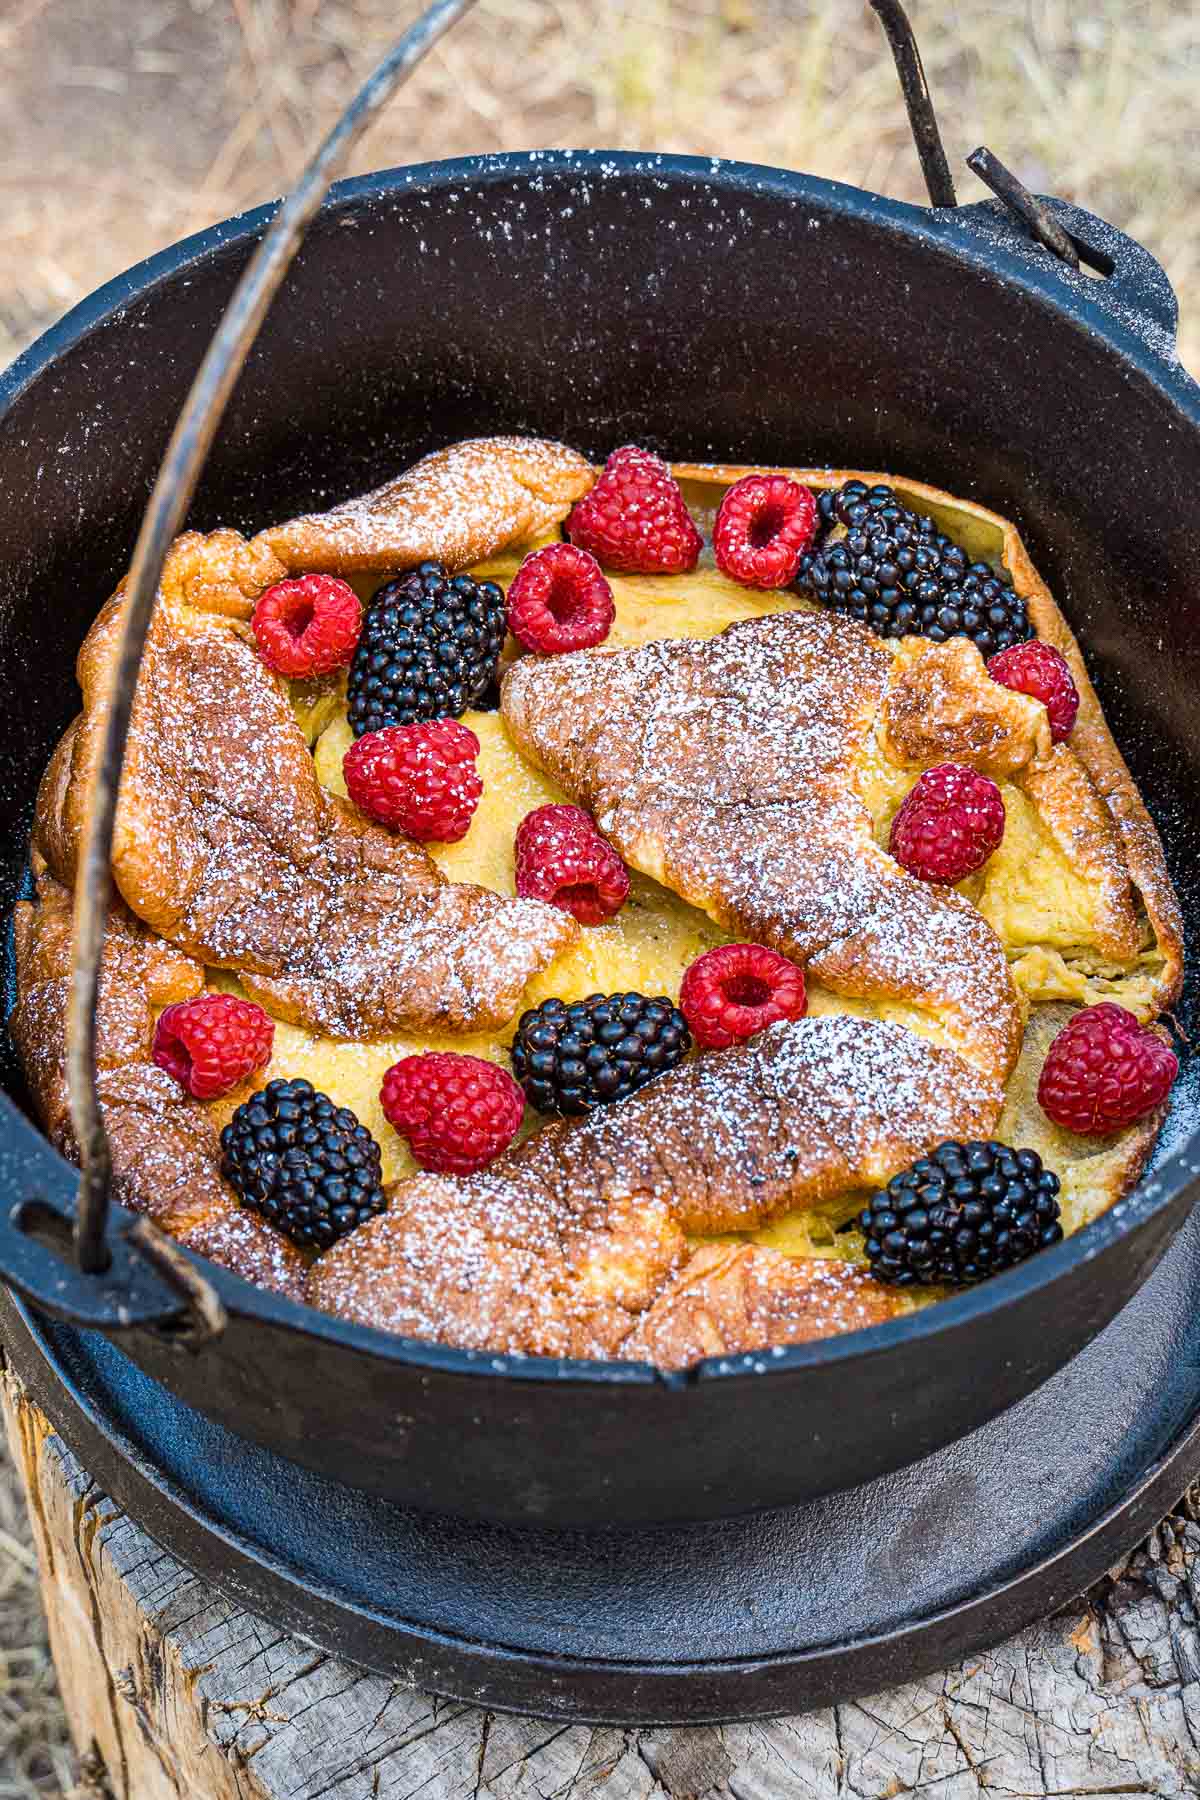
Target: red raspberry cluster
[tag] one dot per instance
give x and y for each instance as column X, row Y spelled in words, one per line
column 559, row 600
column 948, row 825
column 456, row 1112
column 308, row 626
column 1105, row 1071
column 419, row 779
column 212, row 1043
column 561, row 858
column 635, row 519
column 736, row 990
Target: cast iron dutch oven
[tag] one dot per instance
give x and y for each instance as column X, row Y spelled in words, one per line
column 713, row 311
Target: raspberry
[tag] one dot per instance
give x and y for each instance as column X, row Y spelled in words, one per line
column 1038, row 669
column 420, row 779
column 562, row 859
column 635, row 519
column 308, row 626
column 457, row 1112
column 1103, row 1071
column 732, row 992
column 949, row 824
column 764, row 526
column 559, row 600
column 211, row 1043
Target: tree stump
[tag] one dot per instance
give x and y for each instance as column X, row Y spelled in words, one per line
column 173, row 1691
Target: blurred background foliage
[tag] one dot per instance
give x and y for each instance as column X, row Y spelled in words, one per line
column 126, row 123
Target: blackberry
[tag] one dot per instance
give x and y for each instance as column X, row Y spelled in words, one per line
column 895, row 572
column 593, row 1052
column 429, row 648
column 306, row 1165
column 962, row 1213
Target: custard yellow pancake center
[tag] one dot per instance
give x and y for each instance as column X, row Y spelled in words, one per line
column 1038, row 904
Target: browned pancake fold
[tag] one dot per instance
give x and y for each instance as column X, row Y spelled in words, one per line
column 461, row 505
column 565, row 1242
column 730, row 1298
column 165, row 1147
column 726, row 769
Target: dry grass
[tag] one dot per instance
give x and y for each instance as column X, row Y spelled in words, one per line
column 125, row 123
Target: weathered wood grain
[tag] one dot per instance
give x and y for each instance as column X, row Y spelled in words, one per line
column 176, row 1692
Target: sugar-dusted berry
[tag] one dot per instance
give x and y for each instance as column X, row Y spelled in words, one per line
column 561, row 858
column 1041, row 670
column 949, row 824
column 960, row 1214
column 419, row 779
column 456, row 1112
column 736, row 990
column 1105, row 1071
column 430, row 648
column 635, row 519
column 307, row 626
column 895, row 572
column 307, row 1165
column 559, row 600
column 765, row 524
column 212, row 1043
column 594, row 1052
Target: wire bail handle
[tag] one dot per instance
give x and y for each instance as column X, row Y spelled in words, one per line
column 171, row 496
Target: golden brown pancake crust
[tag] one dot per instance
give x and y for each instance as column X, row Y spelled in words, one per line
column 733, row 1297
column 563, row 1243
column 165, row 1148
column 229, row 847
column 461, row 505
column 941, row 705
column 725, row 768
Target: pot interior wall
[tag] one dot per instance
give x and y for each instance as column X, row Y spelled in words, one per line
column 708, row 315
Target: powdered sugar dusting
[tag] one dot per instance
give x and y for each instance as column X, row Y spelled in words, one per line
column 726, row 769
column 564, row 1243
column 731, row 1298
column 461, row 505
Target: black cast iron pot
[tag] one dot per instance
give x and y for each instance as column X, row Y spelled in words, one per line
column 712, row 311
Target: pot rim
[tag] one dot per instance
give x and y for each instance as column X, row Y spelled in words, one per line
column 953, row 233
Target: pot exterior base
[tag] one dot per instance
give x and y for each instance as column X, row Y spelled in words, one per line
column 731, row 1619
